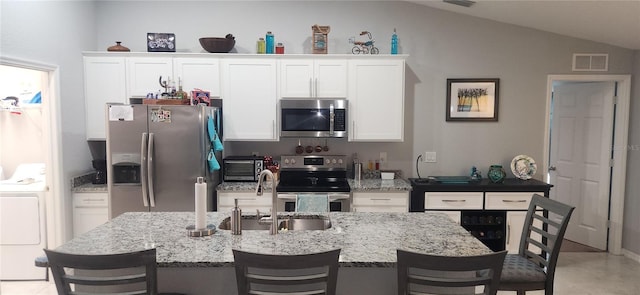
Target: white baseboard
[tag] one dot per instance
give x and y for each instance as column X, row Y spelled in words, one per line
column 631, row 255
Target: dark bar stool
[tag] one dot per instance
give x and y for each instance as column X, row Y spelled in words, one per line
column 42, row 261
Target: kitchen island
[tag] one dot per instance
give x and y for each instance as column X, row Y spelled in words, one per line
column 204, row 265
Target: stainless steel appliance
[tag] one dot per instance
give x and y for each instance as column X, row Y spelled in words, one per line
column 155, row 154
column 313, row 117
column 242, row 168
column 326, row 175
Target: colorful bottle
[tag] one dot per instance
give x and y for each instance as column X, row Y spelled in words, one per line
column 394, row 42
column 279, row 48
column 270, row 42
column 260, row 46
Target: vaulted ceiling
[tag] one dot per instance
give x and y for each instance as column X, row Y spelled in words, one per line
column 614, row 22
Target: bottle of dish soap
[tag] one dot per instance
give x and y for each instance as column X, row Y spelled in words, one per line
column 394, row 42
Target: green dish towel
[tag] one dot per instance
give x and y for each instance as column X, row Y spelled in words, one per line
column 312, row 203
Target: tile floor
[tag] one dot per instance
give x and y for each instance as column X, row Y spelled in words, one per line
column 578, row 273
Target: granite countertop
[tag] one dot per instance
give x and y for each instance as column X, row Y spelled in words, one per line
column 366, row 239
column 82, row 184
column 378, row 184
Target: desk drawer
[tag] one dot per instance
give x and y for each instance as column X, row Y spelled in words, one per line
column 453, row 201
column 508, row 201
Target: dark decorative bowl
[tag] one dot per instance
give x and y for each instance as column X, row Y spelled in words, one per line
column 218, row 45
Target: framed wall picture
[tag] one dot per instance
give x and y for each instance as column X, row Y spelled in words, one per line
column 161, row 42
column 472, row 99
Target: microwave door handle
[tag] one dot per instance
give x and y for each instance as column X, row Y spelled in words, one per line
column 331, row 119
column 152, row 196
column 143, row 169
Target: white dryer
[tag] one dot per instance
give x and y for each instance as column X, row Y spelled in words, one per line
column 22, row 223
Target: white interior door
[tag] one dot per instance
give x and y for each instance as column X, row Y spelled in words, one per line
column 580, row 152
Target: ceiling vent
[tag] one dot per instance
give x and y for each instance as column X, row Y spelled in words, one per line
column 465, row 3
column 590, row 62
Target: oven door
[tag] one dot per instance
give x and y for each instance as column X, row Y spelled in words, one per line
column 313, row 118
column 338, row 202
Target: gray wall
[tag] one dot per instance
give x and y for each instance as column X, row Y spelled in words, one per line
column 631, row 231
column 55, row 33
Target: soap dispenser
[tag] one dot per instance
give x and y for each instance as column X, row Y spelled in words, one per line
column 236, row 219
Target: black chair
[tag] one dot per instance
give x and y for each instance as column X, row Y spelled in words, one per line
column 430, row 274
column 99, row 271
column 308, row 274
column 533, row 268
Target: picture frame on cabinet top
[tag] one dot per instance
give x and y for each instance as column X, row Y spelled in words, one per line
column 161, row 42
column 472, row 99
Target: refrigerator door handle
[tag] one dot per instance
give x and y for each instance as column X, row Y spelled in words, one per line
column 152, row 196
column 143, row 169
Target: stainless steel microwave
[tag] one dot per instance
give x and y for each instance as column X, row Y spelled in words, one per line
column 313, row 117
column 242, row 168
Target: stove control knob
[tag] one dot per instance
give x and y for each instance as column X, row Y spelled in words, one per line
column 333, row 161
column 293, row 161
column 327, row 161
column 339, row 161
column 286, row 161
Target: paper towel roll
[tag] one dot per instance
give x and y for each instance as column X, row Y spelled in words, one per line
column 201, row 203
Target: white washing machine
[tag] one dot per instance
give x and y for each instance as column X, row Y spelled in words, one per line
column 23, row 223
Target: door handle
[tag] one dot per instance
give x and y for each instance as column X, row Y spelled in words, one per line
column 552, row 168
column 152, row 196
column 143, row 169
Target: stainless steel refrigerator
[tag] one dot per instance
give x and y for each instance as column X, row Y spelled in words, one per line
column 155, row 153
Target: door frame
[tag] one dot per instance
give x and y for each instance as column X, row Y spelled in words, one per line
column 55, row 205
column 621, row 135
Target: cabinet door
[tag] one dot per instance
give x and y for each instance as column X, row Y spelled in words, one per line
column 330, row 78
column 376, row 100
column 104, row 82
column 515, row 225
column 89, row 211
column 201, row 73
column 301, row 78
column 249, row 98
column 296, row 78
column 143, row 74
column 380, row 202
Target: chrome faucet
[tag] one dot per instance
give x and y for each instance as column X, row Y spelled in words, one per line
column 274, row 198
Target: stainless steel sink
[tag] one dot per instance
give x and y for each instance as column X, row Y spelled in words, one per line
column 300, row 222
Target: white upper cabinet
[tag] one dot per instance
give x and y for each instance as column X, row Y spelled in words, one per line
column 249, row 99
column 143, row 74
column 104, row 82
column 313, row 78
column 201, row 73
column 376, row 100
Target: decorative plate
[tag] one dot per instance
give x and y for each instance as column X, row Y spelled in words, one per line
column 523, row 167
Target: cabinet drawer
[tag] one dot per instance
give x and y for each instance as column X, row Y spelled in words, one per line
column 380, row 199
column 90, row 200
column 508, row 201
column 453, row 201
column 244, row 199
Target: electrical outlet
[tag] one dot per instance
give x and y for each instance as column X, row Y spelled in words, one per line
column 430, row 157
column 383, row 158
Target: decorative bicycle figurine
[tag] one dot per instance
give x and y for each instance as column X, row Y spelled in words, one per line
column 365, row 47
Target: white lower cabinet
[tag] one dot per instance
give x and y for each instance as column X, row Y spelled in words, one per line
column 247, row 202
column 90, row 209
column 380, row 202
